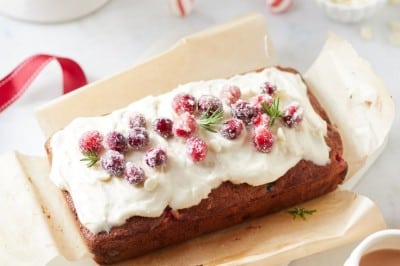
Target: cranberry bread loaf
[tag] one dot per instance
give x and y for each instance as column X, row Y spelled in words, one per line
column 203, row 157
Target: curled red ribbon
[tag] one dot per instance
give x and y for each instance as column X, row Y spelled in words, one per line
column 14, row 84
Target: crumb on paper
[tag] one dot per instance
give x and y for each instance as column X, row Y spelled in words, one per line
column 366, row 33
column 368, row 103
column 251, row 227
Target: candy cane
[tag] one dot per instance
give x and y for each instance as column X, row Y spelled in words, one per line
column 181, row 8
column 278, row 6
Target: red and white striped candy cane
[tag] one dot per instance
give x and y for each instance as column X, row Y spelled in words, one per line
column 181, row 8
column 278, row 6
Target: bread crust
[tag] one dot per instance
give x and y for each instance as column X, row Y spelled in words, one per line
column 225, row 206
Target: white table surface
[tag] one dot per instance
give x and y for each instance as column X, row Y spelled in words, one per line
column 124, row 32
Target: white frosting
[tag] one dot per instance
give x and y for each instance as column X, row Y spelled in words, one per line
column 102, row 202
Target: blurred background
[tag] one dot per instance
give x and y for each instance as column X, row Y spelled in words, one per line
column 121, row 33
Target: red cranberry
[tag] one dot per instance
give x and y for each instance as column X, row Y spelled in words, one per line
column 155, row 157
column 261, row 120
column 171, row 214
column 230, row 94
column 184, row 125
column 163, row 126
column 268, row 88
column 134, row 174
column 243, row 110
column 258, row 100
column 209, row 104
column 116, row 141
column 113, row 162
column 91, row 142
column 138, row 138
column 292, row 115
column 196, row 149
column 231, row 129
column 339, row 158
column 263, row 139
column 184, row 102
column 137, row 120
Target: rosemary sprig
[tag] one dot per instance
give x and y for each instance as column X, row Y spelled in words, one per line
column 301, row 212
column 91, row 158
column 208, row 121
column 273, row 110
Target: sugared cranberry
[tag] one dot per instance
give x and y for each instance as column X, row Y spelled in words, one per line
column 263, row 139
column 243, row 110
column 209, row 104
column 113, row 162
column 137, row 120
column 259, row 100
column 230, row 94
column 184, row 102
column 138, row 138
column 163, row 126
column 91, row 142
column 116, row 141
column 196, row 149
column 155, row 157
column 268, row 88
column 339, row 158
column 292, row 115
column 184, row 125
column 133, row 173
column 231, row 129
column 261, row 120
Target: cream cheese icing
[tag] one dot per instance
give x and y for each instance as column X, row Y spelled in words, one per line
column 102, row 201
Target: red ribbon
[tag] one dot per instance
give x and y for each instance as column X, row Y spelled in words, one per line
column 14, row 84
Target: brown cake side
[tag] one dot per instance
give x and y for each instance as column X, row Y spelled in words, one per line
column 227, row 205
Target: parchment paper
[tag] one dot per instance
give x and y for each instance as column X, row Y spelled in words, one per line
column 222, row 51
column 44, row 231
column 37, row 215
column 355, row 98
column 36, row 225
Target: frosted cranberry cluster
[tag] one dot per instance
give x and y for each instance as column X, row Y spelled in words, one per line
column 205, row 113
column 110, row 150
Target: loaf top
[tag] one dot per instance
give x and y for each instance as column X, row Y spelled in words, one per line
column 103, row 200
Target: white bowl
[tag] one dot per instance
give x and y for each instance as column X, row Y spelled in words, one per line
column 49, row 11
column 350, row 13
column 385, row 239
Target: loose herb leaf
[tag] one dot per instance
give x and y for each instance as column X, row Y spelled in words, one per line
column 273, row 110
column 91, row 158
column 300, row 212
column 208, row 121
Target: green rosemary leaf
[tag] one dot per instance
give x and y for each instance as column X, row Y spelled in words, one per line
column 208, row 122
column 300, row 212
column 91, row 158
column 273, row 110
